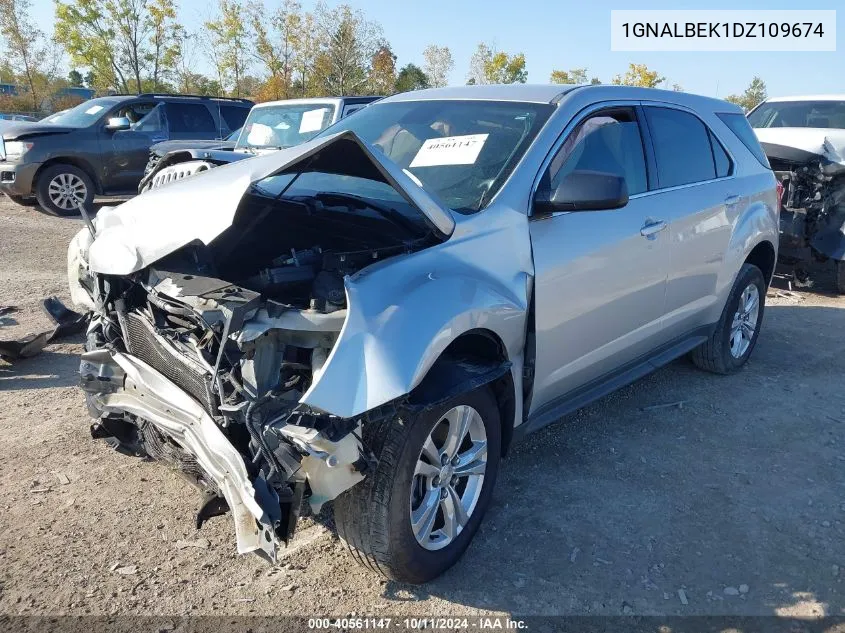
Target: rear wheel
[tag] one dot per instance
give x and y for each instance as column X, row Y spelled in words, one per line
column 731, row 344
column 63, row 190
column 415, row 515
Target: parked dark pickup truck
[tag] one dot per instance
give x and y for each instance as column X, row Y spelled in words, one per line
column 100, row 147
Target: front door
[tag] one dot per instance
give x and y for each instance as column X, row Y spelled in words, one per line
column 128, row 150
column 600, row 276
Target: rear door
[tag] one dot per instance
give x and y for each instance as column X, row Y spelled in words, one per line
column 600, row 276
column 191, row 121
column 696, row 197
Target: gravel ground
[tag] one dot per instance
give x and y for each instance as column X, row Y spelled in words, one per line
column 730, row 505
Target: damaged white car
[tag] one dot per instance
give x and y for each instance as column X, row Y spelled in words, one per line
column 804, row 140
column 374, row 316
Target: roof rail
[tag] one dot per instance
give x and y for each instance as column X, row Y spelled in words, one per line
column 184, row 96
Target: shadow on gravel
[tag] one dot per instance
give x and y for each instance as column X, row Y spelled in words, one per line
column 47, row 370
column 732, row 504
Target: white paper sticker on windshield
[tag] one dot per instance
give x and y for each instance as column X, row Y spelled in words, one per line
column 449, row 150
column 93, row 109
column 312, row 121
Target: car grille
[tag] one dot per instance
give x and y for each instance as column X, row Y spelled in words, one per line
column 187, row 373
column 177, row 172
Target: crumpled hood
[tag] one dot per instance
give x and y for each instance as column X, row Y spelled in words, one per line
column 826, row 142
column 157, row 223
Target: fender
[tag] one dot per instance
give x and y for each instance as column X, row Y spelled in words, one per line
column 403, row 313
column 757, row 223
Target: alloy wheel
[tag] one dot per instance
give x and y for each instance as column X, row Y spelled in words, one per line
column 745, row 320
column 67, row 191
column 448, row 477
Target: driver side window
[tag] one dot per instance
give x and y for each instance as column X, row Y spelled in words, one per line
column 608, row 141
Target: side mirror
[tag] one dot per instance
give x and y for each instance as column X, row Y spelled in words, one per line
column 118, row 123
column 583, row 190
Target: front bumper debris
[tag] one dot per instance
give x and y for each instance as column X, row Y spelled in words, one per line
column 122, row 383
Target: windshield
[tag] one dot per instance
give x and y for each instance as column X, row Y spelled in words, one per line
column 818, row 114
column 284, row 125
column 462, row 151
column 83, row 115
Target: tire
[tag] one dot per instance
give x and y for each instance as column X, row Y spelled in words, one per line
column 61, row 189
column 374, row 517
column 720, row 354
column 839, row 276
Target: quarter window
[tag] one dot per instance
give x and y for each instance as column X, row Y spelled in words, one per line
column 681, row 147
column 608, row 141
column 233, row 116
column 720, row 156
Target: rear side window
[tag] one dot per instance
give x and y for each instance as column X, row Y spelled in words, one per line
column 352, row 108
column 190, row 118
column 681, row 147
column 234, row 116
column 740, row 126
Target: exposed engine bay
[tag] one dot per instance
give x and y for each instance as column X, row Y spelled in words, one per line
column 242, row 327
column 812, row 218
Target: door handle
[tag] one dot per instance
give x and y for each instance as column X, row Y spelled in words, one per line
column 653, row 228
column 731, row 200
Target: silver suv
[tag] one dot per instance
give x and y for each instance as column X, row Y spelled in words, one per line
column 374, row 316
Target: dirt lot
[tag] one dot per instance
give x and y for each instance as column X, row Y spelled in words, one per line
column 734, row 501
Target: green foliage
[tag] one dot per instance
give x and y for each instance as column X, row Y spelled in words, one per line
column 639, row 75
column 74, row 78
column 489, row 66
column 411, row 77
column 125, row 45
column 753, row 95
column 165, row 42
column 573, row 76
column 227, row 43
column 382, row 80
column 505, row 69
column 24, row 49
column 347, row 43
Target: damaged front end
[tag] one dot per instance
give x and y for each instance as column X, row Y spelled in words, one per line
column 200, row 353
column 812, row 173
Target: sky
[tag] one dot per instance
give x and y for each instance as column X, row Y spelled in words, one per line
column 564, row 34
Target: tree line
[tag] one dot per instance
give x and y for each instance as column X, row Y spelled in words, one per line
column 133, row 46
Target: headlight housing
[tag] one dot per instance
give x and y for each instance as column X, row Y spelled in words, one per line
column 16, row 149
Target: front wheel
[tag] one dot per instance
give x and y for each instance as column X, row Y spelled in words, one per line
column 63, row 190
column 415, row 515
column 731, row 344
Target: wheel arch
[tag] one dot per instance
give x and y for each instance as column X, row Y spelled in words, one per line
column 764, row 257
column 475, row 358
column 80, row 163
